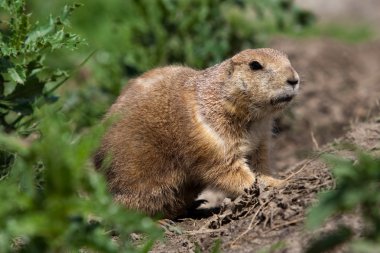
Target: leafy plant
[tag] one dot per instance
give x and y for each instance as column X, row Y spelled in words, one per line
column 26, row 82
column 357, row 184
column 53, row 200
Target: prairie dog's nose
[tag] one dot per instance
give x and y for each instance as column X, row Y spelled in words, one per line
column 293, row 79
column 292, row 82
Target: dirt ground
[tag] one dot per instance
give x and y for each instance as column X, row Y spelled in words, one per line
column 339, row 102
column 349, row 12
column 266, row 216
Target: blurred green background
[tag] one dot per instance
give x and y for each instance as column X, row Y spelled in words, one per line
column 130, row 37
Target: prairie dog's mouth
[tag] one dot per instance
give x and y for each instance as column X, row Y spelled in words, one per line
column 282, row 99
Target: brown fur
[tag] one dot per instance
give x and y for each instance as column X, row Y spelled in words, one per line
column 181, row 130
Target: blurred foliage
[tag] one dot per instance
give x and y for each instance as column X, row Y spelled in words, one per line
column 144, row 34
column 53, row 201
column 275, row 247
column 51, row 198
column 358, row 183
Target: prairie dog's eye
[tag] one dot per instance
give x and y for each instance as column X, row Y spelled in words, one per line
column 255, row 65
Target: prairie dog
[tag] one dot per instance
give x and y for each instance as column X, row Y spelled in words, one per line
column 180, row 130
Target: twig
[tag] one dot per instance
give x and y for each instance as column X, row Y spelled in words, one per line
column 208, row 222
column 249, row 211
column 203, row 231
column 323, row 184
column 251, row 223
column 288, row 223
column 298, row 171
column 71, row 74
column 314, row 140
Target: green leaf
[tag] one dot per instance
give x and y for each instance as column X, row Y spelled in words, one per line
column 365, row 246
column 41, row 32
column 67, row 11
column 9, row 87
column 276, row 247
column 318, row 214
column 17, row 74
column 216, row 247
column 13, row 144
column 331, row 240
column 351, row 198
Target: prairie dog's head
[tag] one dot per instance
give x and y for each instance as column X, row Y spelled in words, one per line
column 262, row 80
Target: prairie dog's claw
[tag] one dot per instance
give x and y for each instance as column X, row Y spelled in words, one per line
column 271, row 181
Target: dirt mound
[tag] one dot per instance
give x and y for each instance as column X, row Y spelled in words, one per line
column 265, row 216
column 339, row 88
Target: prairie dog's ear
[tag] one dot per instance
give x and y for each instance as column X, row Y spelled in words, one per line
column 243, row 57
column 229, row 67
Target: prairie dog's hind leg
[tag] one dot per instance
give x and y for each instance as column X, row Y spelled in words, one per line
column 152, row 192
column 155, row 201
column 212, row 198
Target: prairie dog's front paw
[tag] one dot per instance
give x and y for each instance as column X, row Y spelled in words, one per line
column 241, row 181
column 271, row 181
column 234, row 180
